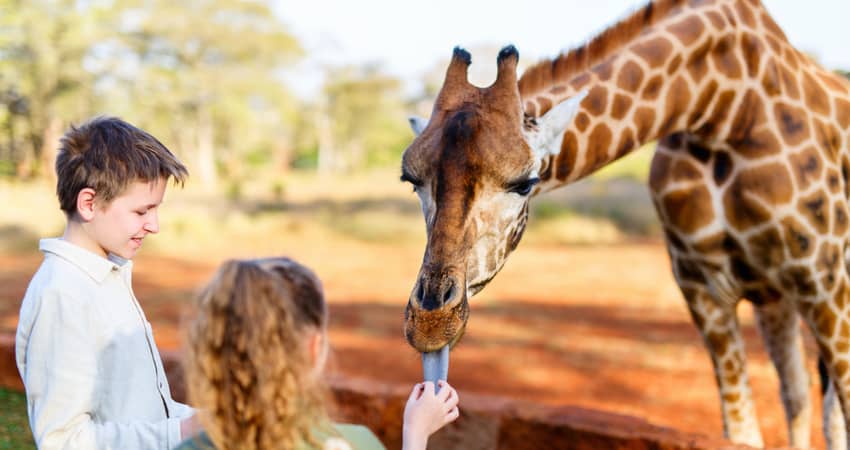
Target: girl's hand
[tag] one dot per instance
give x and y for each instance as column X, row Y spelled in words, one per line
column 427, row 412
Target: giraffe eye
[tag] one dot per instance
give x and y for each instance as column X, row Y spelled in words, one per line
column 523, row 187
column 416, row 182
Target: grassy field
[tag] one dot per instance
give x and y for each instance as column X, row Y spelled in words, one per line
column 14, row 428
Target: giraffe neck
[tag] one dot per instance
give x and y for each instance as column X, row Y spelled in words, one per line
column 685, row 71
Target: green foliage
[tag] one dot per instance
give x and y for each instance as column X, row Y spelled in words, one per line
column 365, row 127
column 15, row 432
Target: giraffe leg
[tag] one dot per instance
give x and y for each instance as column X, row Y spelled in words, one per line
column 718, row 325
column 830, row 324
column 833, row 420
column 780, row 328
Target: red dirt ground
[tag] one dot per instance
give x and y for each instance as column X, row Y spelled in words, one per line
column 598, row 327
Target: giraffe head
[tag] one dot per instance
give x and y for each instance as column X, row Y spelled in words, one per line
column 474, row 165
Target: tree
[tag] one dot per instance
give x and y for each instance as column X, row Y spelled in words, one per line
column 363, row 120
column 209, row 76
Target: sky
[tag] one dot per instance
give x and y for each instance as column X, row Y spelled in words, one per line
column 408, row 39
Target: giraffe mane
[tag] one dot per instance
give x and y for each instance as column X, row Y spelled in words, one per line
column 549, row 72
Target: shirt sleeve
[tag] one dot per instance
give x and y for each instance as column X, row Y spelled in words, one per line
column 61, row 376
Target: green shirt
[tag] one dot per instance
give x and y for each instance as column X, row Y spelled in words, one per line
column 358, row 436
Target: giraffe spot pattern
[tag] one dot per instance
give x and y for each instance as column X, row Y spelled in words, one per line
column 806, row 166
column 797, row 239
column 566, row 160
column 652, row 88
column 703, row 101
column 689, row 209
column 582, row 121
column 597, row 148
column 620, row 107
column 748, row 135
column 654, row 51
column 751, row 49
column 771, row 183
column 697, row 65
column 596, row 101
column 723, row 166
column 688, row 30
column 630, row 77
column 766, row 248
column 813, row 208
column 816, row 98
column 792, row 123
column 725, row 59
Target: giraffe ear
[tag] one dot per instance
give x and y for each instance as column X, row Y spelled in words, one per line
column 418, row 124
column 551, row 127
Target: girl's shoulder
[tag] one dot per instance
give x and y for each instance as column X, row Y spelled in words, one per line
column 351, row 437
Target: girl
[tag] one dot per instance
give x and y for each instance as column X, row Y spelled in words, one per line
column 256, row 351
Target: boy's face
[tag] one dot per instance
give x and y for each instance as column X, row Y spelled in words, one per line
column 120, row 226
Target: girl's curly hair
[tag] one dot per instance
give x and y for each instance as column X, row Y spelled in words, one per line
column 248, row 363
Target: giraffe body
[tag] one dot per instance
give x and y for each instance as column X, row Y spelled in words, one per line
column 749, row 179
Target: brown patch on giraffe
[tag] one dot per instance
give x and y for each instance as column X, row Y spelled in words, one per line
column 816, row 98
column 829, row 257
column 687, row 270
column 828, row 137
column 546, row 168
column 839, row 218
column 806, row 166
column 775, row 44
column 731, row 397
column 725, row 58
column 730, row 17
column 557, row 90
column 659, row 171
column 770, row 183
column 791, row 57
column 797, row 238
column 654, row 51
column 678, row 98
column 545, row 105
column 630, row 77
column 716, row 20
column 722, row 168
column 652, row 88
column 627, row 143
column 824, row 319
column 688, row 30
column 703, row 100
column 792, row 123
column 596, row 101
column 566, row 160
column 743, row 270
column 644, row 119
column 689, row 209
column 598, row 144
column 673, row 240
column 604, row 71
column 770, row 25
column 766, row 248
column 833, row 82
column 752, row 50
column 790, row 84
column 674, row 64
column 745, row 14
column 814, row 209
column 842, row 113
column 580, row 81
column 685, row 170
column 582, row 121
column 770, row 82
column 833, row 180
column 620, row 106
column 531, row 109
column 798, row 278
column 700, row 152
column 747, row 135
column 717, row 341
column 697, row 65
column 718, row 113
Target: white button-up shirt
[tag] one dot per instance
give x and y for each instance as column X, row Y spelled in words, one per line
column 85, row 351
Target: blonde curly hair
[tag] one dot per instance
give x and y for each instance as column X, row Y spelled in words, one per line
column 248, row 365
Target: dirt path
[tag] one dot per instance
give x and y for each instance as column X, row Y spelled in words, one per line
column 599, row 327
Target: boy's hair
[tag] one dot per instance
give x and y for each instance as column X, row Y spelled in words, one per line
column 248, row 363
column 106, row 154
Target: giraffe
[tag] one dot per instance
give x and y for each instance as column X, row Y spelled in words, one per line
column 749, row 180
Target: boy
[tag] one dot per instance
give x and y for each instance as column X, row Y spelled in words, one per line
column 84, row 349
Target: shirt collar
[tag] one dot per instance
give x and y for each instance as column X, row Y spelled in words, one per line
column 92, row 264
